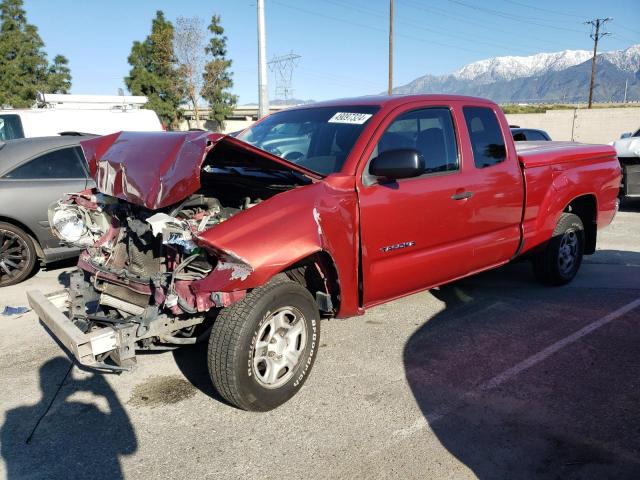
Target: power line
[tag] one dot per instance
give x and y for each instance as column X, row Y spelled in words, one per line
column 483, row 24
column 546, row 10
column 596, row 35
column 465, row 38
column 629, row 29
column 516, row 18
column 377, row 29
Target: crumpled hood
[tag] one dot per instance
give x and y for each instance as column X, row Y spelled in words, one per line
column 158, row 169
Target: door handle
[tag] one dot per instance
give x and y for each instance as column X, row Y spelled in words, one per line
column 461, row 195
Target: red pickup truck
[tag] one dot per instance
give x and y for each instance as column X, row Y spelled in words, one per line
column 317, row 211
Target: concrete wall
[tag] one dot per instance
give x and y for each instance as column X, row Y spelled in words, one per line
column 598, row 125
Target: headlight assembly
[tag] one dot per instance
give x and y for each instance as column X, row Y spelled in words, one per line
column 68, row 224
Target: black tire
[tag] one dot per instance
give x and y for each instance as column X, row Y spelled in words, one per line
column 238, row 366
column 559, row 263
column 17, row 255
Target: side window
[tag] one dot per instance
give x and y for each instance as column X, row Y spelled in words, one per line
column 430, row 131
column 519, row 137
column 486, row 138
column 534, row 136
column 63, row 163
column 10, row 127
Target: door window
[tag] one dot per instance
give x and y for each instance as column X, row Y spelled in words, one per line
column 486, row 137
column 430, row 131
column 63, row 163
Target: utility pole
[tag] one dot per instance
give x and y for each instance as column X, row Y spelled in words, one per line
column 626, row 84
column 390, row 90
column 263, row 92
column 596, row 35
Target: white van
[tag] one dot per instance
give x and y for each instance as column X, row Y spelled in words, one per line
column 74, row 114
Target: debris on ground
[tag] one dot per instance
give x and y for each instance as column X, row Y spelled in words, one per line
column 10, row 311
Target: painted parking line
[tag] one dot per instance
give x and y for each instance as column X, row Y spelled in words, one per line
column 512, row 372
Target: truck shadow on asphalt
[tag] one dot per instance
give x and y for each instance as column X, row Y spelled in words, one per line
column 575, row 414
column 67, row 433
column 192, row 362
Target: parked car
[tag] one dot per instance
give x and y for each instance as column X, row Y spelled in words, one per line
column 628, row 150
column 195, row 237
column 34, row 173
column 529, row 134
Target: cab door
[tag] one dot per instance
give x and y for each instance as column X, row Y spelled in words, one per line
column 416, row 232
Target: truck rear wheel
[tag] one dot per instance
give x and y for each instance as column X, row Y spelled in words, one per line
column 262, row 349
column 560, row 261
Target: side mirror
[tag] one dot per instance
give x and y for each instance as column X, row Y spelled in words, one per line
column 625, row 135
column 396, row 164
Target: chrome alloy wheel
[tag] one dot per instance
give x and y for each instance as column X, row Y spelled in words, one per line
column 280, row 343
column 14, row 255
column 568, row 254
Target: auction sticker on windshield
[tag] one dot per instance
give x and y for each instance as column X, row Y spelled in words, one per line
column 350, row 117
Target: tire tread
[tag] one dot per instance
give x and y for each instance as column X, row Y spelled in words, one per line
column 224, row 343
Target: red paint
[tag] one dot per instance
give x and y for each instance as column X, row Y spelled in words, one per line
column 158, row 169
column 515, row 206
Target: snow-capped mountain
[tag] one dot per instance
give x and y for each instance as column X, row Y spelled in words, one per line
column 544, row 77
column 508, row 68
column 627, row 60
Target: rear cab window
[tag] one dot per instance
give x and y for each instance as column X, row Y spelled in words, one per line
column 64, row 163
column 10, row 127
column 487, row 142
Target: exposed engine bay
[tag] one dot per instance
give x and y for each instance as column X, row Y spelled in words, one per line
column 138, row 264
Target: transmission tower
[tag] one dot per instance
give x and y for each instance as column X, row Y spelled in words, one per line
column 596, row 34
column 282, row 66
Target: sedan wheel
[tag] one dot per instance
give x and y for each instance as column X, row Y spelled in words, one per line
column 17, row 255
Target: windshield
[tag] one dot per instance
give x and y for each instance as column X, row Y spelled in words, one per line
column 319, row 138
column 10, row 127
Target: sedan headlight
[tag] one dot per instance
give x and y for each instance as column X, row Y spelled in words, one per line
column 68, row 224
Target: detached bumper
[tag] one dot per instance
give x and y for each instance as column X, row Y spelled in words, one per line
column 83, row 347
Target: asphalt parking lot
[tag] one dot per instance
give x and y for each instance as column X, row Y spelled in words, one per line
column 492, row 377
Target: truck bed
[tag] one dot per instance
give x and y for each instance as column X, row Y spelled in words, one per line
column 536, row 154
column 554, row 171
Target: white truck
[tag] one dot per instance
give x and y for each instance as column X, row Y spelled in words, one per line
column 628, row 151
column 58, row 114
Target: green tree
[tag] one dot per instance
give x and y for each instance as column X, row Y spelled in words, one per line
column 154, row 72
column 217, row 75
column 24, row 69
column 59, row 80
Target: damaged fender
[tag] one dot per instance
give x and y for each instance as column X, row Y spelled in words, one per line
column 281, row 231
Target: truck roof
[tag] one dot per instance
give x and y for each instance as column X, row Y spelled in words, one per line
column 395, row 100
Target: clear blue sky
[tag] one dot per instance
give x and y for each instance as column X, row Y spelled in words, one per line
column 343, row 43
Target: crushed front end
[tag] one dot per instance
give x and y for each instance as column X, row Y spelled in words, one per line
column 132, row 289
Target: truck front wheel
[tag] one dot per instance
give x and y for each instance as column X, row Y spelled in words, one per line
column 560, row 261
column 262, row 348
